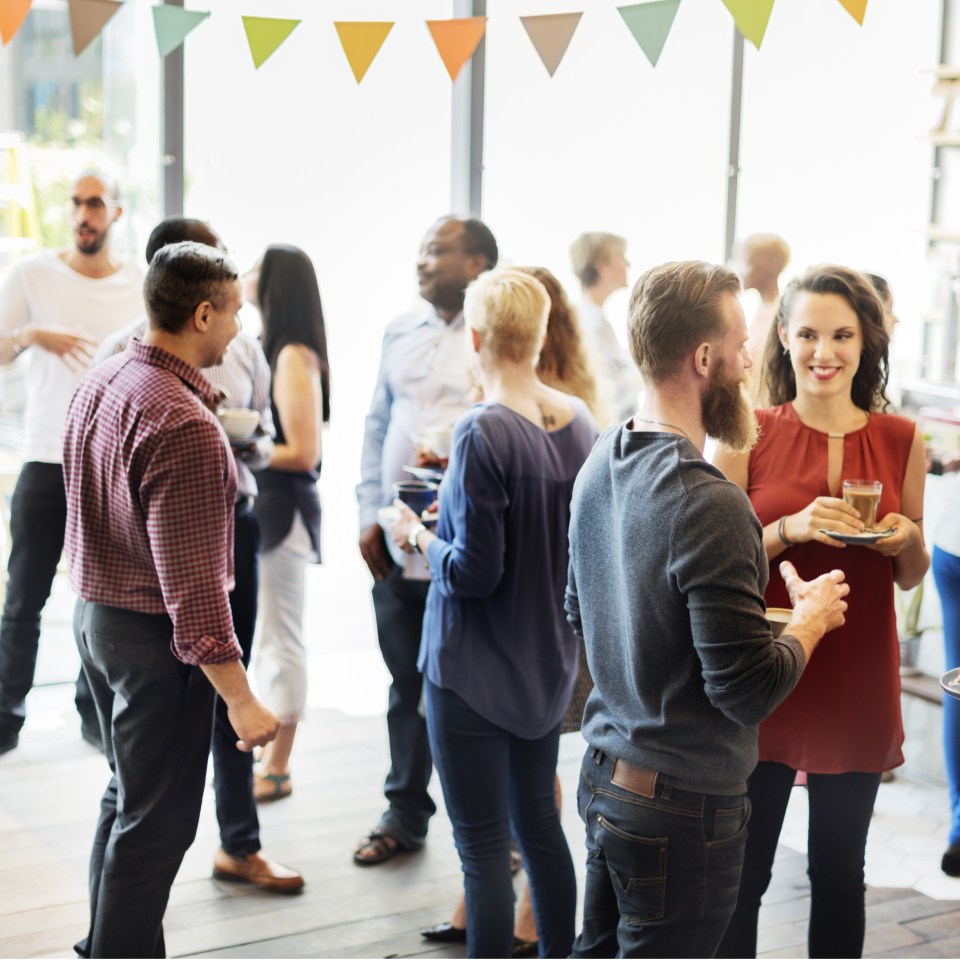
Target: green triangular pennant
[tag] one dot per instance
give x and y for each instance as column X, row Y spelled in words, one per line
column 650, row 25
column 172, row 24
column 752, row 17
column 265, row 34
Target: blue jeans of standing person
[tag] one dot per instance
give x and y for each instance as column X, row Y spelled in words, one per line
column 493, row 780
column 946, row 573
column 841, row 805
column 662, row 870
column 156, row 714
column 38, row 517
column 399, row 605
column 233, row 768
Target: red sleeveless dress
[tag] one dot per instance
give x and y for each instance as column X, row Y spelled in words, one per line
column 844, row 714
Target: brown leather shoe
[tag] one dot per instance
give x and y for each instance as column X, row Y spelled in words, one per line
column 273, row 877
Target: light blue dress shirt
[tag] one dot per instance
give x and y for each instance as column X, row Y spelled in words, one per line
column 423, row 382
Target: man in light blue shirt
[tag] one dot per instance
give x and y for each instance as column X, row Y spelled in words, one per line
column 423, row 382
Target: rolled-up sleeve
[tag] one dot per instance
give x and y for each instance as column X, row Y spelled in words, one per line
column 475, row 494
column 187, row 498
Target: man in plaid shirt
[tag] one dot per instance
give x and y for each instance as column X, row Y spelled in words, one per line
column 151, row 485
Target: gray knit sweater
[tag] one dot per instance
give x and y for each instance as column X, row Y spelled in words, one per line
column 667, row 572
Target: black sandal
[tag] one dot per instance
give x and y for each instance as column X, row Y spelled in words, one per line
column 382, row 850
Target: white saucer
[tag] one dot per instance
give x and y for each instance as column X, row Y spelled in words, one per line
column 859, row 538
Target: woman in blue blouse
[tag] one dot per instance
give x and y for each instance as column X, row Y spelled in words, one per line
column 498, row 657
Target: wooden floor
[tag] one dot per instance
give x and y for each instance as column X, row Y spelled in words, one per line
column 49, row 792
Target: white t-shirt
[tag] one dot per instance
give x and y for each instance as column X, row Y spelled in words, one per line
column 616, row 374
column 43, row 290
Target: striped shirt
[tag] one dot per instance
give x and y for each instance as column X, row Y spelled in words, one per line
column 151, row 486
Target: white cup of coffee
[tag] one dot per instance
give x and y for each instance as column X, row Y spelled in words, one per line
column 779, row 617
column 864, row 497
column 437, row 440
column 239, row 423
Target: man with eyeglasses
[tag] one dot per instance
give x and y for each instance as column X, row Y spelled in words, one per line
column 54, row 307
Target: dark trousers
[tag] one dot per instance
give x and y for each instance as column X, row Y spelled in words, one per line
column 662, row 871
column 38, row 517
column 493, row 779
column 399, row 605
column 156, row 716
column 232, row 768
column 841, row 805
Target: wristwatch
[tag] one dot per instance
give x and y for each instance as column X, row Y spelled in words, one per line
column 414, row 533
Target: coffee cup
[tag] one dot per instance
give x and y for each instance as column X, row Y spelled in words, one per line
column 437, row 440
column 779, row 617
column 239, row 423
column 416, row 494
column 864, row 497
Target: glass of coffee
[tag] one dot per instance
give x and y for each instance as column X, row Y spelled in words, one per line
column 864, row 497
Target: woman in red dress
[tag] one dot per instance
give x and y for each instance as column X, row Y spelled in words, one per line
column 826, row 364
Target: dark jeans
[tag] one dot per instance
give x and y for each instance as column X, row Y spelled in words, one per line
column 946, row 573
column 840, row 808
column 491, row 780
column 232, row 768
column 662, row 872
column 38, row 517
column 156, row 715
column 399, row 605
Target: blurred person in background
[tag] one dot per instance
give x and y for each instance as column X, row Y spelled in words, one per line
column 600, row 263
column 283, row 286
column 54, row 308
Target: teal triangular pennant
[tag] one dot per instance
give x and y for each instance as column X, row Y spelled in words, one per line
column 650, row 24
column 172, row 25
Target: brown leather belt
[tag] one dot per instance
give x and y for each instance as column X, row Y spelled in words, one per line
column 635, row 779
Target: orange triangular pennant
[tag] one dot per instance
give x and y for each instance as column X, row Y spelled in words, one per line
column 12, row 15
column 551, row 35
column 856, row 9
column 87, row 19
column 456, row 40
column 361, row 42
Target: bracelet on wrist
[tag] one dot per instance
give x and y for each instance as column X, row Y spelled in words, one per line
column 782, row 534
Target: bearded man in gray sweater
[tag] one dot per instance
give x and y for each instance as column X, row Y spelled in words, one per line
column 667, row 573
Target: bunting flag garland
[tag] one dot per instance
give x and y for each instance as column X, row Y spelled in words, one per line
column 752, row 17
column 265, row 34
column 457, row 40
column 172, row 24
column 650, row 25
column 856, row 9
column 361, row 42
column 87, row 19
column 12, row 15
column 551, row 35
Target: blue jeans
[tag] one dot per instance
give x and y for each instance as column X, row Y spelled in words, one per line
column 399, row 605
column 491, row 780
column 841, row 805
column 38, row 517
column 946, row 573
column 662, row 872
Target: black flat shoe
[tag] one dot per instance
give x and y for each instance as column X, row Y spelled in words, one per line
column 445, row 933
column 526, row 948
column 950, row 864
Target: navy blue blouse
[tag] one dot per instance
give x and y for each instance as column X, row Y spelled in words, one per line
column 495, row 631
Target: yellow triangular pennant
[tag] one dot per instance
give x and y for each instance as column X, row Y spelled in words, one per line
column 87, row 19
column 551, row 35
column 361, row 42
column 265, row 34
column 856, row 9
column 752, row 17
column 12, row 15
column 457, row 40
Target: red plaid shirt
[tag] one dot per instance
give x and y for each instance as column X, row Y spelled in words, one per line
column 151, row 485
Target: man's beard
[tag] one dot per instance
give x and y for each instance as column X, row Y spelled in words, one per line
column 94, row 245
column 727, row 411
